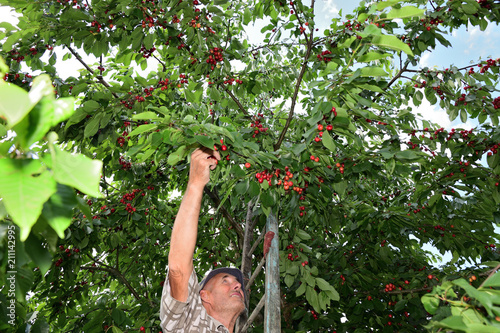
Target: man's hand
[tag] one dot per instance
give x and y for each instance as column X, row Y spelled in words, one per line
column 202, row 161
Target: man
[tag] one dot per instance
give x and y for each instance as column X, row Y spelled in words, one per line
column 216, row 303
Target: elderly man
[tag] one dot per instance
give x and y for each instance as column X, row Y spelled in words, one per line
column 215, row 303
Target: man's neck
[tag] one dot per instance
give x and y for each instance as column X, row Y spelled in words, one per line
column 226, row 319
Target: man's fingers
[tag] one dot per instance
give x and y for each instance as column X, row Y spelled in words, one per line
column 216, row 154
column 213, row 163
column 206, row 153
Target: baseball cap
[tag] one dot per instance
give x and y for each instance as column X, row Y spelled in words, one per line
column 229, row 270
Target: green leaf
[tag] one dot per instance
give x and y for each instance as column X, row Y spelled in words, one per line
column 40, row 255
column 118, row 316
column 372, row 56
column 453, row 322
column 328, row 141
column 406, row 155
column 247, row 16
column 392, row 42
column 14, row 105
column 481, row 328
column 493, row 160
column 298, row 148
column 267, row 199
column 92, row 126
column 177, row 156
column 25, row 186
column 373, row 71
column 384, row 4
column 205, row 141
column 303, row 235
column 322, row 284
column 77, row 171
column 46, row 114
column 404, row 12
column 477, row 294
column 143, row 128
column 148, row 115
column 400, row 305
column 301, row 289
column 493, row 281
column 312, row 298
column 469, row 8
column 41, row 87
column 289, row 280
column 58, row 210
column 430, row 302
column 116, row 329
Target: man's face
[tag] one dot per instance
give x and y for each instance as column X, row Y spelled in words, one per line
column 224, row 293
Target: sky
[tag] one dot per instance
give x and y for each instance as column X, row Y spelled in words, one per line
column 468, row 46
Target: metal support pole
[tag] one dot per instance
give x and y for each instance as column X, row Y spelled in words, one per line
column 272, row 313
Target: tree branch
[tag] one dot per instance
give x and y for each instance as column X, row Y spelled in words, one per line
column 239, row 230
column 240, row 106
column 120, row 277
column 296, row 92
column 99, row 77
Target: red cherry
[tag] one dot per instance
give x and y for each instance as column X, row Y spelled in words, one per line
column 247, row 165
column 224, row 148
column 320, row 127
column 142, row 329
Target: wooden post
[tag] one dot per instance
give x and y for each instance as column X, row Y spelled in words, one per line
column 272, row 312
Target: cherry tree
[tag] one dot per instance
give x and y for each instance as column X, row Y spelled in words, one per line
column 315, row 126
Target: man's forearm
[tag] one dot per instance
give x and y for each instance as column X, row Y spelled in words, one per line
column 184, row 232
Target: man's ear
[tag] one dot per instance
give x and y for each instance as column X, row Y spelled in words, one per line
column 204, row 295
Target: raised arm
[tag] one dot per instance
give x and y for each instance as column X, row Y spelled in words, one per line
column 185, row 230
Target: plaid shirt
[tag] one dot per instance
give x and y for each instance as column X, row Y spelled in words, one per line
column 188, row 317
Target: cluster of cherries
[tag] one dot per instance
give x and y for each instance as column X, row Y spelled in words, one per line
column 16, row 56
column 146, row 53
column 352, row 25
column 315, row 315
column 148, row 22
column 215, row 56
column 496, row 103
column 263, row 175
column 321, row 56
column 68, row 254
column 430, row 23
column 485, row 3
column 96, row 25
column 257, row 124
column 129, row 197
column 121, row 139
column 125, row 165
column 70, row 2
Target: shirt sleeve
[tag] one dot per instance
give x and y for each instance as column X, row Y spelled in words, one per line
column 176, row 316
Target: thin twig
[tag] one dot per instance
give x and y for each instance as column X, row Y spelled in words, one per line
column 491, row 274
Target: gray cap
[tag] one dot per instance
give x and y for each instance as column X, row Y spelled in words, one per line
column 229, row 270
